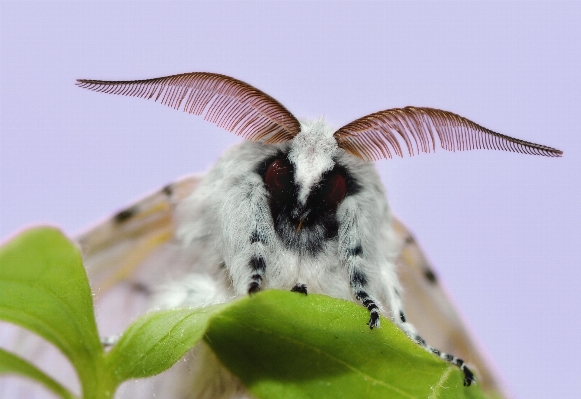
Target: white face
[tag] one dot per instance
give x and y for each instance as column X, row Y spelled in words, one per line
column 312, row 153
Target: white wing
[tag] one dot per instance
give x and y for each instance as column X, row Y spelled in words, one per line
column 128, row 255
column 122, row 255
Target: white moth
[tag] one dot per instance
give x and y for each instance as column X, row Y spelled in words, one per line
column 296, row 206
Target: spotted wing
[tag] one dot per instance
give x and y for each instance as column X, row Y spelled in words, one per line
column 229, row 103
column 380, row 135
column 430, row 309
column 118, row 252
column 126, row 257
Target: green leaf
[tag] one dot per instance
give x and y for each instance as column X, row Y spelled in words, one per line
column 12, row 364
column 280, row 344
column 45, row 289
column 158, row 340
column 287, row 345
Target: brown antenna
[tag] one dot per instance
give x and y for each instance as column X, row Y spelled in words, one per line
column 229, row 103
column 378, row 135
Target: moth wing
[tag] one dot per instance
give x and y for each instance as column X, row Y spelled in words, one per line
column 430, row 309
column 126, row 256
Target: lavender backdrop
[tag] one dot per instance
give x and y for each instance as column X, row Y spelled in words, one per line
column 502, row 229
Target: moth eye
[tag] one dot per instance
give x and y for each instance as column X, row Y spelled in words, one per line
column 279, row 177
column 334, row 190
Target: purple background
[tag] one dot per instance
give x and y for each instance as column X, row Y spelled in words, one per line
column 502, row 229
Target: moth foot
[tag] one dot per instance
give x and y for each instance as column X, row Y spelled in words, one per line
column 253, row 288
column 300, row 288
column 468, row 376
column 374, row 320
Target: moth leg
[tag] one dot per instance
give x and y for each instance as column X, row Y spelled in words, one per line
column 257, row 263
column 300, row 288
column 352, row 254
column 359, row 284
column 370, row 304
column 409, row 329
column 258, row 267
column 247, row 233
column 468, row 375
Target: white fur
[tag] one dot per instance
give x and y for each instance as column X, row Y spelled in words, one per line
column 312, row 152
column 218, row 219
column 230, row 206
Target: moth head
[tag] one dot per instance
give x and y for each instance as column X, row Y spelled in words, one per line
column 305, row 184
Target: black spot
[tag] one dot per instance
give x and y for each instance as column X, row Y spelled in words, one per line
column 448, row 358
column 168, row 190
column 257, row 277
column 300, row 288
column 402, row 317
column 409, row 239
column 141, row 288
column 459, row 362
column 222, row 265
column 358, row 278
column 430, row 276
column 357, row 251
column 125, row 215
column 257, row 264
column 304, row 229
column 436, row 352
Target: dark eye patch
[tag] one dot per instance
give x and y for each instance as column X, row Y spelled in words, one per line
column 278, row 178
column 333, row 190
column 304, row 228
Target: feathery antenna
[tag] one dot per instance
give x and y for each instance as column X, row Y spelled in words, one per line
column 378, row 135
column 227, row 102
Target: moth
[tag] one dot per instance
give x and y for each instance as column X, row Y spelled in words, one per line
column 297, row 206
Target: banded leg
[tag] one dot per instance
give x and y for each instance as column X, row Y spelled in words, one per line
column 352, row 255
column 410, row 332
column 359, row 284
column 257, row 264
column 468, row 375
column 370, row 304
column 258, row 267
